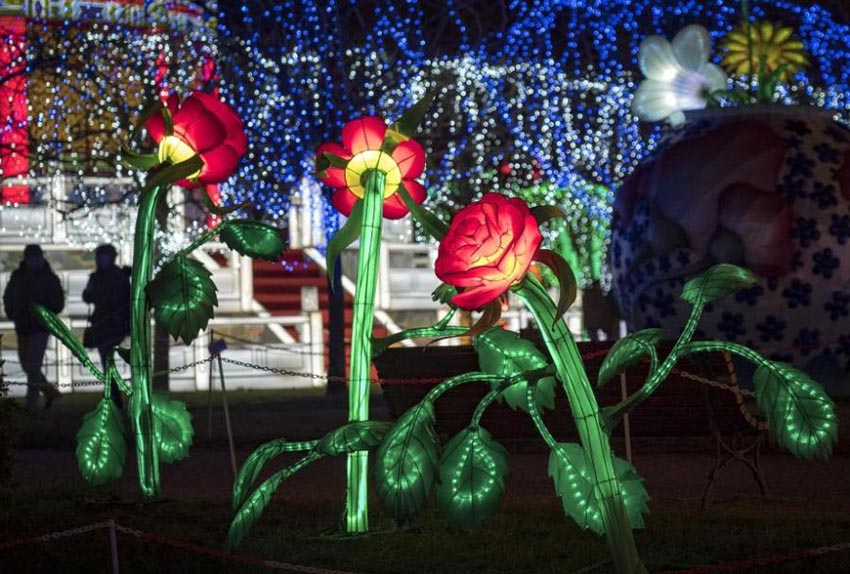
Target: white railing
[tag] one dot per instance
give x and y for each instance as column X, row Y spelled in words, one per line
column 303, row 360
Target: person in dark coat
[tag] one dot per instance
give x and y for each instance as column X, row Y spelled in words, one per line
column 33, row 282
column 108, row 290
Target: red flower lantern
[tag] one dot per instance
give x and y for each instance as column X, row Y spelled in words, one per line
column 203, row 126
column 364, row 148
column 489, row 246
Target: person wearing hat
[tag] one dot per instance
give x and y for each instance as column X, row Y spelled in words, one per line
column 108, row 290
column 33, row 282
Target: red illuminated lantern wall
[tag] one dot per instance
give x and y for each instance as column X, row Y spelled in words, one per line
column 14, row 140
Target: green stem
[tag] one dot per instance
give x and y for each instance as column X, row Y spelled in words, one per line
column 381, row 345
column 721, row 346
column 141, row 368
column 204, row 238
column 589, row 424
column 482, row 406
column 615, row 413
column 357, row 501
column 459, row 380
column 534, row 412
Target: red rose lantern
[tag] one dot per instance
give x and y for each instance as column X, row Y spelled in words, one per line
column 203, row 126
column 364, row 149
column 489, row 246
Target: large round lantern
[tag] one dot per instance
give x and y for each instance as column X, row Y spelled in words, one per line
column 765, row 187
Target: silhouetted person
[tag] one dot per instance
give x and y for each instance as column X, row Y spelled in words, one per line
column 108, row 290
column 33, row 282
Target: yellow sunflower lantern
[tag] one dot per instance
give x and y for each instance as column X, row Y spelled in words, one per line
column 770, row 48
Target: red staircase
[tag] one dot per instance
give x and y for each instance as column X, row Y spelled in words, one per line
column 278, row 289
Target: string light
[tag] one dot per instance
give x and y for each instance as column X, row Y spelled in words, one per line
column 549, row 82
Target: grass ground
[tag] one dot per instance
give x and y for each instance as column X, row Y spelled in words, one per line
column 809, row 507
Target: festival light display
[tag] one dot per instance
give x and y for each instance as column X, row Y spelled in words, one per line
column 552, row 82
column 548, row 81
column 485, row 251
column 199, row 140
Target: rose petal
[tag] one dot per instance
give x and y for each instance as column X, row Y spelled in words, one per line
column 343, row 201
column 410, row 158
column 155, row 126
column 477, row 297
column 364, row 133
column 219, row 164
column 235, row 137
column 204, row 133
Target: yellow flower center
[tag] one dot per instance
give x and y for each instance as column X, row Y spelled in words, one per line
column 366, row 161
column 175, row 150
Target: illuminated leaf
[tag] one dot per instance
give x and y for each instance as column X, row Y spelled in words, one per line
column 252, row 238
column 568, row 470
column 259, row 499
column 628, row 351
column 433, row 225
column 800, row 415
column 173, row 173
column 101, row 448
column 255, row 462
column 344, row 237
column 405, row 127
column 183, row 298
column 56, row 327
column 546, row 213
column 566, row 280
column 716, row 283
column 504, row 353
column 139, row 160
column 172, row 427
column 352, row 437
column 406, row 463
column 472, row 477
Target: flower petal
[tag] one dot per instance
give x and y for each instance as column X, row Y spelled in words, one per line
column 410, row 158
column 363, row 133
column 219, row 164
column 343, row 201
column 692, row 47
column 155, row 127
column 657, row 60
column 394, row 207
column 715, row 78
column 654, row 101
column 335, row 175
column 477, row 297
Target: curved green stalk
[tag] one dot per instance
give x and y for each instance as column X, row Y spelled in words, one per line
column 141, row 367
column 483, row 404
column 720, row 346
column 459, row 380
column 589, row 424
column 534, row 412
column 656, row 376
column 357, row 500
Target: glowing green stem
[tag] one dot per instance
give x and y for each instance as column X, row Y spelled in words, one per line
column 459, row 380
column 357, row 501
column 615, row 413
column 482, row 406
column 141, row 368
column 534, row 412
column 721, row 346
column 589, row 424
